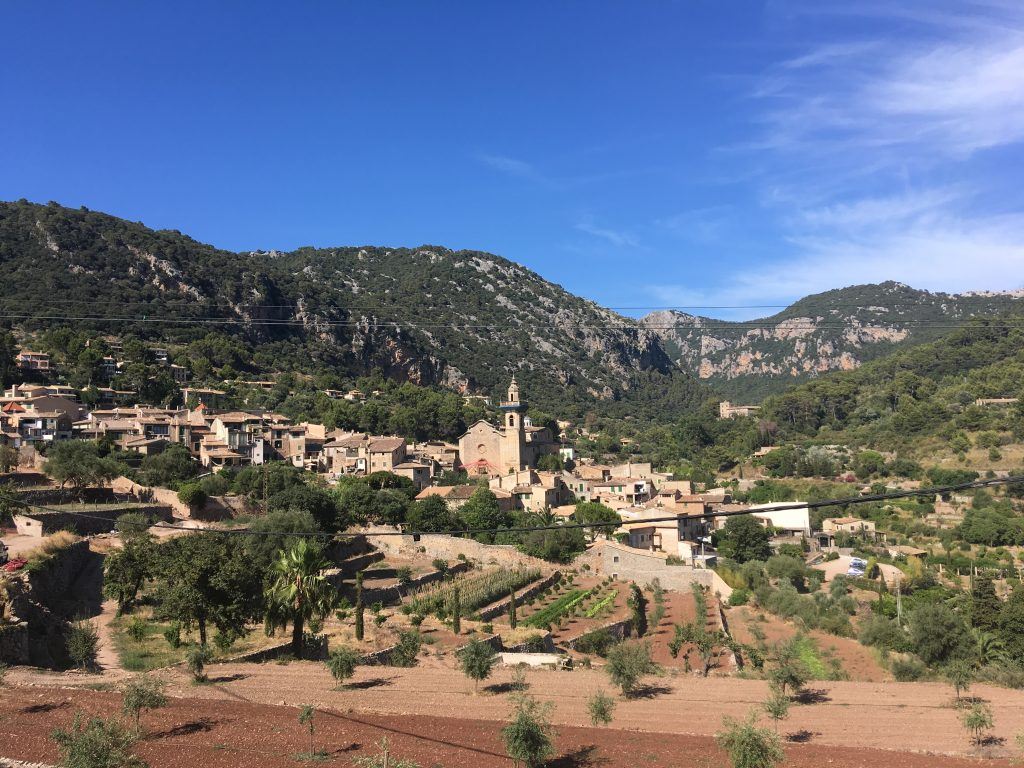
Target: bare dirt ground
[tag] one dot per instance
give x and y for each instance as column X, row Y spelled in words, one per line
column 915, row 717
column 217, row 733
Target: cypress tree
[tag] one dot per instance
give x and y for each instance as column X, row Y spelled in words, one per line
column 1011, row 623
column 512, row 609
column 985, row 605
column 639, row 605
column 456, row 611
column 359, row 606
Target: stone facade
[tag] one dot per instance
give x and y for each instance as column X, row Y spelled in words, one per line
column 515, row 445
column 628, row 564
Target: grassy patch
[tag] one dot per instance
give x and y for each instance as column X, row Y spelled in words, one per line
column 154, row 652
column 808, row 653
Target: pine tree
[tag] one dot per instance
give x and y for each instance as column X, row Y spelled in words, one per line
column 359, row 606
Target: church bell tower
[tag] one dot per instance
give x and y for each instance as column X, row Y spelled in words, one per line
column 513, row 448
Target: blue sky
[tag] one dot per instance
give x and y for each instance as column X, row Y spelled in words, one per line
column 640, row 154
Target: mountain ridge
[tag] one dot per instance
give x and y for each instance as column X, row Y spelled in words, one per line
column 840, row 329
column 465, row 320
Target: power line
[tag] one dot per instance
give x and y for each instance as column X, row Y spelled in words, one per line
column 382, row 308
column 775, row 507
column 526, row 324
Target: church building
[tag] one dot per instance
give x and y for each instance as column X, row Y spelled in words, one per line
column 515, row 445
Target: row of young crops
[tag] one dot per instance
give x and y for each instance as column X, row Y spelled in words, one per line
column 475, row 590
column 590, row 603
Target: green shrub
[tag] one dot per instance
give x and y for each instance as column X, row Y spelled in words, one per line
column 97, row 743
column 136, row 629
column 740, row 596
column 528, row 736
column 598, row 641
column 342, row 663
column 627, row 664
column 82, row 641
column 476, row 661
column 601, row 708
column 142, row 693
column 407, row 649
column 173, row 635
column 196, row 659
column 908, row 670
column 749, row 746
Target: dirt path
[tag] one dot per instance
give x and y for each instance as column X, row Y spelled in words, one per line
column 107, row 657
column 901, row 716
column 219, row 734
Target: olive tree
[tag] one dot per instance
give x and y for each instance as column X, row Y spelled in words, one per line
column 143, row 692
column 476, row 661
column 529, row 736
column 627, row 663
column 749, row 746
column 342, row 663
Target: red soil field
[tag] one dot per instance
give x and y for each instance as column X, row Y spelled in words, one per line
column 219, row 734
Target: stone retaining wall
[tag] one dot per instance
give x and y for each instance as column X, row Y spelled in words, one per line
column 643, row 566
column 450, row 547
column 35, row 601
column 84, row 522
column 619, row 630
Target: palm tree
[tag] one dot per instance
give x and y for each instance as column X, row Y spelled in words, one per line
column 544, row 517
column 990, row 648
column 300, row 591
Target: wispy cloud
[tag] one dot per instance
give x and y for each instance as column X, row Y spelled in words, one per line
column 511, row 166
column 949, row 93
column 616, row 237
column 857, row 141
column 948, row 255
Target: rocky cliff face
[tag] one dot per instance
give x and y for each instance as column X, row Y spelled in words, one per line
column 834, row 331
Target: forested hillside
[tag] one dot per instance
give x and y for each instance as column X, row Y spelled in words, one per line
column 918, row 404
column 464, row 320
column 833, row 331
column 925, row 391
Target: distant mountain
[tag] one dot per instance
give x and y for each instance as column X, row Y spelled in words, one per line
column 922, row 401
column 832, row 331
column 465, row 320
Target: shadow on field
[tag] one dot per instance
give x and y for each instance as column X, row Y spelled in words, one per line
column 227, row 678
column 509, row 687
column 584, row 757
column 812, row 696
column 649, row 691
column 49, row 706
column 801, row 737
column 373, row 682
column 185, row 729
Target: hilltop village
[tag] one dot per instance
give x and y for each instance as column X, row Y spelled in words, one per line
column 161, row 546
column 504, row 458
